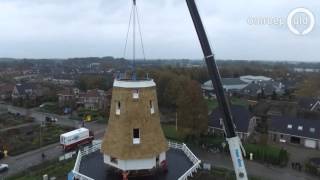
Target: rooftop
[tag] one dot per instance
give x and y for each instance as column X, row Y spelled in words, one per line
column 181, row 161
column 241, row 118
column 94, row 167
column 296, row 126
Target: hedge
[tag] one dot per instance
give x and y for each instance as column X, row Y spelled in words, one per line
column 268, row 154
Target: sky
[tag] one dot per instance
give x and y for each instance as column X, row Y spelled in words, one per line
column 83, row 28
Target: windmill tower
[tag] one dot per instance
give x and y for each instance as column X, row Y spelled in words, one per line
column 134, row 141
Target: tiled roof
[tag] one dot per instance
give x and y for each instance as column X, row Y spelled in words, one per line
column 241, row 118
column 296, row 126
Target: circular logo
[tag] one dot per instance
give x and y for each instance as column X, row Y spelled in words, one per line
column 301, row 21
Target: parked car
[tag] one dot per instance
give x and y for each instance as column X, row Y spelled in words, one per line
column 51, row 120
column 4, row 168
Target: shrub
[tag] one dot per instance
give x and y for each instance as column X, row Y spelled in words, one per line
column 268, row 154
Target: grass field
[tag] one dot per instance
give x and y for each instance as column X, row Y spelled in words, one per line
column 21, row 140
column 51, row 168
column 213, row 103
column 170, row 132
column 9, row 120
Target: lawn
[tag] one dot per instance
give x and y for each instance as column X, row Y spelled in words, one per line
column 213, row 103
column 9, row 120
column 51, row 168
column 21, row 140
column 170, row 132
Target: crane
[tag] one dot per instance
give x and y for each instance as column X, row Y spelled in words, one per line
column 234, row 142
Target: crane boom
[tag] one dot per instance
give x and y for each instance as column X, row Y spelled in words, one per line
column 235, row 145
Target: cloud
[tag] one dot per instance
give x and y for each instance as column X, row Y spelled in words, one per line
column 75, row 28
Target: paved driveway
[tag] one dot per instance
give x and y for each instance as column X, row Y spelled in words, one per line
column 253, row 168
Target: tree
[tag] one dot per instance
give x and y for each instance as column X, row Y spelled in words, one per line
column 192, row 110
column 310, row 86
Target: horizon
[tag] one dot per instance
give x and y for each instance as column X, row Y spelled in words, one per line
column 56, row 29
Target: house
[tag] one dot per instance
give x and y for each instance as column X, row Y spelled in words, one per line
column 297, row 131
column 67, row 97
column 254, row 79
column 310, row 104
column 26, row 91
column 265, row 88
column 93, row 99
column 244, row 121
column 229, row 84
column 272, row 108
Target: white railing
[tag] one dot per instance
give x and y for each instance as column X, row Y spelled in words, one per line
column 196, row 162
column 174, row 145
column 96, row 145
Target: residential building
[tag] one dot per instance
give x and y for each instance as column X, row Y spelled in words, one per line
column 247, row 86
column 297, row 131
column 265, row 88
column 229, row 84
column 245, row 122
column 254, row 79
column 26, row 91
column 94, row 99
column 67, row 97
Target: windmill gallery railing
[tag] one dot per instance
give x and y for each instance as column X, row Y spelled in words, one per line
column 97, row 146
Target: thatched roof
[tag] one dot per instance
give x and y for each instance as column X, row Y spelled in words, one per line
column 135, row 113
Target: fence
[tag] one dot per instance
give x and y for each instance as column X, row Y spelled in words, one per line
column 196, row 162
column 97, row 146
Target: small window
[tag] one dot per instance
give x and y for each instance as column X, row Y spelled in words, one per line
column 118, row 108
column 289, row 126
column 300, row 128
column 135, row 94
column 136, row 136
column 114, row 160
column 151, row 107
column 312, row 130
column 281, row 135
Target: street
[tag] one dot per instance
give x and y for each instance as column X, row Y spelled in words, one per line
column 53, row 151
column 253, row 168
column 24, row 161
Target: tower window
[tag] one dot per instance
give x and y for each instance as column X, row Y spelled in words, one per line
column 151, row 107
column 135, row 94
column 136, row 136
column 118, row 108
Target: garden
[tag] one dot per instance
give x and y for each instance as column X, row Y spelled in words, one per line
column 8, row 120
column 21, row 140
column 56, row 169
column 267, row 154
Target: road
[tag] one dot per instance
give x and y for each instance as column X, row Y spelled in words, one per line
column 253, row 168
column 21, row 162
column 24, row 161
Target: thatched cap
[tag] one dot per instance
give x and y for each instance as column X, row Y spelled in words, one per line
column 135, row 113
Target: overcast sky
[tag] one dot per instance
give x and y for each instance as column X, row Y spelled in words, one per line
column 80, row 28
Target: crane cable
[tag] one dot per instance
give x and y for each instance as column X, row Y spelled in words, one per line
column 134, row 15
